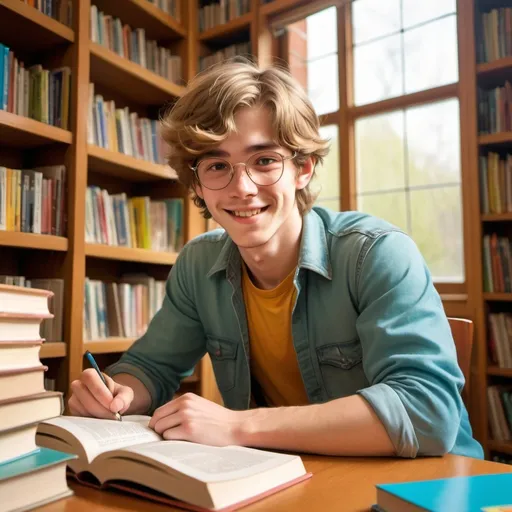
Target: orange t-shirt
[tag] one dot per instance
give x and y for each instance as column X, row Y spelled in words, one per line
column 273, row 358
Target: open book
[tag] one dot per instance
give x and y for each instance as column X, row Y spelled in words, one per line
column 128, row 455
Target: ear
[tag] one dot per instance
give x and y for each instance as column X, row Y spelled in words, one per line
column 304, row 174
column 197, row 189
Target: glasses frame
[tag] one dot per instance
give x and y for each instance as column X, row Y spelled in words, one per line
column 232, row 172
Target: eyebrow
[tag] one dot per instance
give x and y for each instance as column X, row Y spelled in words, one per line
column 263, row 146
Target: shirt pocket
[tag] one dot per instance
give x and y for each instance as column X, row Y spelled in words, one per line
column 341, row 366
column 223, row 355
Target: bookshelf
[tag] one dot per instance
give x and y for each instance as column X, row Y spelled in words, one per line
column 487, row 70
column 29, row 143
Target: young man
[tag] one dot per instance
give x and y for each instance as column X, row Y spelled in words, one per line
column 325, row 330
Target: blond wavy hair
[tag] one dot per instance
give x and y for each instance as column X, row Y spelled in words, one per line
column 205, row 115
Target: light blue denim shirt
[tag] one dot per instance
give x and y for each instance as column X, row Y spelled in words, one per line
column 367, row 320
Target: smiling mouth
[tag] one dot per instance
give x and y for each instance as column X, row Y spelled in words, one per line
column 247, row 213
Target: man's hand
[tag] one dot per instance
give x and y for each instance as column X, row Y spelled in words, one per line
column 193, row 418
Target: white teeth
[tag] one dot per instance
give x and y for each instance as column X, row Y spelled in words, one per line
column 246, row 213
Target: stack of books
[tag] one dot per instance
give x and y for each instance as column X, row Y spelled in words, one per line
column 30, row 476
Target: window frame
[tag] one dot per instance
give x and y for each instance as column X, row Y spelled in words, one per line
column 348, row 113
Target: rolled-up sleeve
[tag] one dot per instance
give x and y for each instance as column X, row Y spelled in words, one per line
column 172, row 345
column 409, row 355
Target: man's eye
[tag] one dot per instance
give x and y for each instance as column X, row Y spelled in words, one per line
column 219, row 166
column 265, row 161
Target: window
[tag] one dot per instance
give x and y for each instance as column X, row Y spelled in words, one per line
column 402, row 46
column 311, row 50
column 407, row 159
column 408, row 172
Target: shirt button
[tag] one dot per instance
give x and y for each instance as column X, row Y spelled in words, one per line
column 217, row 353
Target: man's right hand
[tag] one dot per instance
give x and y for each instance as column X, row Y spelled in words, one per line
column 90, row 397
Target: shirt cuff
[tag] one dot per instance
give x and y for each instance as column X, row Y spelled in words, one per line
column 136, row 372
column 391, row 412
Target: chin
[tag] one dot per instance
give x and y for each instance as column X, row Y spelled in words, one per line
column 250, row 241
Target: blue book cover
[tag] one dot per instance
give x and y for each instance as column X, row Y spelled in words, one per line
column 458, row 494
column 33, row 461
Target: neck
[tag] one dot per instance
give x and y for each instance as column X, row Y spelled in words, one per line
column 270, row 263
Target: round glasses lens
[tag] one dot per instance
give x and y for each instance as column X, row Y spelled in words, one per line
column 214, row 173
column 265, row 168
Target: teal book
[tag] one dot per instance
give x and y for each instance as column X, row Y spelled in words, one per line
column 34, row 480
column 457, row 494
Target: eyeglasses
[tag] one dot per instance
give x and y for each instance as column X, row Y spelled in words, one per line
column 264, row 169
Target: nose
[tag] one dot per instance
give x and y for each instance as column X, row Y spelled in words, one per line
column 241, row 185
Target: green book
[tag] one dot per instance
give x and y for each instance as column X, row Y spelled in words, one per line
column 34, row 480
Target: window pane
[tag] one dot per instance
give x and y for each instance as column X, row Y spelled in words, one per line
column 390, row 206
column 436, row 223
column 379, row 142
column 415, row 11
column 431, row 55
column 328, row 175
column 374, row 18
column 323, row 84
column 433, row 143
column 322, row 33
column 378, row 70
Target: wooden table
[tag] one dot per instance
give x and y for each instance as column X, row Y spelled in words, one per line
column 338, row 484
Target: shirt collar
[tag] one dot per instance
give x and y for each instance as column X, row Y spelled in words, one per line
column 313, row 255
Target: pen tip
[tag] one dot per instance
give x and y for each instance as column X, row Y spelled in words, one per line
column 118, row 417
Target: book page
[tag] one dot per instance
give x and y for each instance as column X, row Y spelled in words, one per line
column 99, row 435
column 211, row 463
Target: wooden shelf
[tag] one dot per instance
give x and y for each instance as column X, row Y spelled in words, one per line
column 278, row 6
column 53, row 349
column 33, row 241
column 500, row 446
column 21, row 25
column 156, row 23
column 225, row 32
column 504, row 297
column 127, row 254
column 502, row 138
column 126, row 167
column 500, row 372
column 496, row 217
column 23, row 132
column 108, row 345
column 495, row 67
column 138, row 83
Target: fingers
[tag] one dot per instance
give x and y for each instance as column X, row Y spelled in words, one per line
column 92, row 381
column 168, row 422
column 123, row 397
column 84, row 401
column 76, row 408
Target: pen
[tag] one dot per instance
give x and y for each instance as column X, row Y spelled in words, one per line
column 96, row 367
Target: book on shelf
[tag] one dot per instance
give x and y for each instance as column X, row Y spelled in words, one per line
column 494, row 108
column 51, row 328
column 60, row 10
column 29, row 475
column 478, row 493
column 499, row 403
column 494, row 34
column 131, row 44
column 233, row 50
column 34, row 200
column 495, row 182
column 218, row 12
column 118, row 129
column 171, row 7
column 137, row 222
column 34, row 92
column 131, row 456
column 497, row 263
column 121, row 309
column 500, row 339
